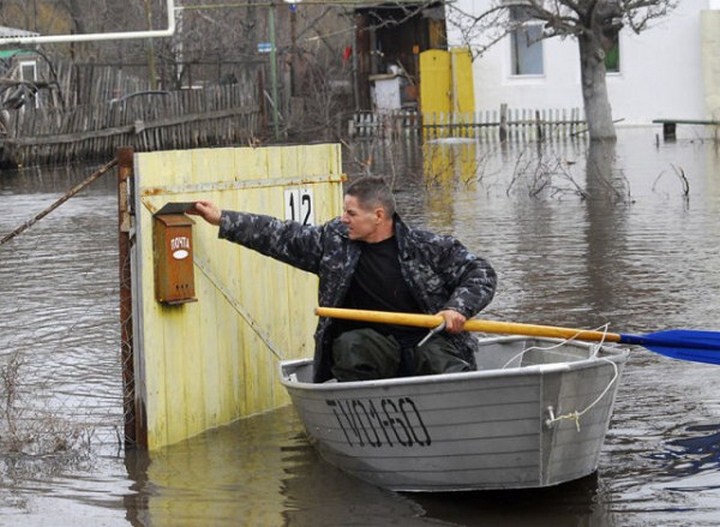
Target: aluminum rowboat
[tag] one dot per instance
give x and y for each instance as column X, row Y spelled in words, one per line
column 534, row 414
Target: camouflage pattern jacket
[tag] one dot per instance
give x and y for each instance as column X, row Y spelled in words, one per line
column 441, row 272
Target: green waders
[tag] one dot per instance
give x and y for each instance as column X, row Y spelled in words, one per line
column 365, row 354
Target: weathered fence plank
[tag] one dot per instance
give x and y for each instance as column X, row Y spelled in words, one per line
column 88, row 111
column 221, row 116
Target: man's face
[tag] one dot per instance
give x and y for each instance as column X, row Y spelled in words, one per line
column 362, row 223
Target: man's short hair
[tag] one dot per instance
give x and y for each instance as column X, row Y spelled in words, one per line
column 371, row 192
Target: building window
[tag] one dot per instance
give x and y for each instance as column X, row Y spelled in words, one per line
column 612, row 53
column 28, row 72
column 526, row 43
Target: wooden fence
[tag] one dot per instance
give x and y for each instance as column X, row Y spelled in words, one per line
column 90, row 84
column 503, row 124
column 151, row 120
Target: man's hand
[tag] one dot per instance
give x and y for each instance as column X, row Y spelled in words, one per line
column 454, row 321
column 207, row 210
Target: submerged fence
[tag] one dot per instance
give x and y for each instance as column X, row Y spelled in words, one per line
column 502, row 124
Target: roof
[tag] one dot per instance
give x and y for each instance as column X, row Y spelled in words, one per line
column 20, row 53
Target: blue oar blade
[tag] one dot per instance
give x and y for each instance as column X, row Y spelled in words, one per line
column 684, row 344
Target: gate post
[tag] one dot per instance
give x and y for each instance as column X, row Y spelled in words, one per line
column 135, row 429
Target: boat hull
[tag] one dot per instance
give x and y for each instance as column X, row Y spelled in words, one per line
column 531, row 416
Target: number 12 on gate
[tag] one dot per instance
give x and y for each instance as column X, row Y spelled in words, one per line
column 299, row 206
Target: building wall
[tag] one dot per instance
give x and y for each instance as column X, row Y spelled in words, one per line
column 711, row 60
column 661, row 71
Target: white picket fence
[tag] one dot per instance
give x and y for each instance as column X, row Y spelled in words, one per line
column 503, row 124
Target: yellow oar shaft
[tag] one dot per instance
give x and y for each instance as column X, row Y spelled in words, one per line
column 485, row 326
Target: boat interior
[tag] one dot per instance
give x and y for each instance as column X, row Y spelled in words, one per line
column 520, row 352
column 502, row 353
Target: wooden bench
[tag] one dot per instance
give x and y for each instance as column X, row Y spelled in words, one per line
column 669, row 125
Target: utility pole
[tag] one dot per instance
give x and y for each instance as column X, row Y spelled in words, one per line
column 293, row 49
column 273, row 70
column 152, row 70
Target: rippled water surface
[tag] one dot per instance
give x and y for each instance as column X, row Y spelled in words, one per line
column 625, row 234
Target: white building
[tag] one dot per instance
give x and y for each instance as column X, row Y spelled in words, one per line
column 671, row 70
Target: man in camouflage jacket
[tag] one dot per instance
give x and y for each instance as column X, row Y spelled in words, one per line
column 441, row 273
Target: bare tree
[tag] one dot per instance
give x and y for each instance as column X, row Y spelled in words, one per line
column 593, row 23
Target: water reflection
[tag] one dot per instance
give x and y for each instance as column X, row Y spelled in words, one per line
column 259, row 471
column 697, row 451
column 605, row 237
column 572, row 504
column 226, row 474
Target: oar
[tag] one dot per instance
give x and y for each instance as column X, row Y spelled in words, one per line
column 685, row 344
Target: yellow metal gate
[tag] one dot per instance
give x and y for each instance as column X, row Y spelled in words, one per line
column 205, row 363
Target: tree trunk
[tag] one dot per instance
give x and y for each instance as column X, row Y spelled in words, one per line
column 594, row 89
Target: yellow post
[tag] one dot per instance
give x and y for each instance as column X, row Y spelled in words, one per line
column 435, row 81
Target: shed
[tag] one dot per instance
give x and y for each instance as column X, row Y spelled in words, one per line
column 18, row 71
column 388, row 41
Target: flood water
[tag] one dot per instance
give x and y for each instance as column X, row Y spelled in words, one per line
column 580, row 237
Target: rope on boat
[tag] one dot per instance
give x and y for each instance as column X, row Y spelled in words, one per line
column 575, row 415
column 237, row 306
column 596, row 347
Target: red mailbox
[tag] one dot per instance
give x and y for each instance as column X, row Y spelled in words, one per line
column 173, row 258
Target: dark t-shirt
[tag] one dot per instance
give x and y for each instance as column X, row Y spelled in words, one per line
column 378, row 285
